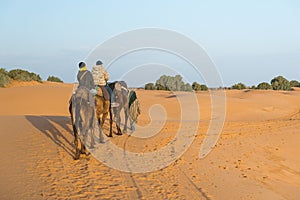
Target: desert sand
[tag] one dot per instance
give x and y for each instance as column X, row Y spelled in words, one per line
column 256, row 157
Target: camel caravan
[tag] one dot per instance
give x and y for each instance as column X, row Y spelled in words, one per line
column 93, row 101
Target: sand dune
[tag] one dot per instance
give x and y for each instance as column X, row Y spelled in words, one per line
column 256, row 156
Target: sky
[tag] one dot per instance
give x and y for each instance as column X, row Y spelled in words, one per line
column 248, row 41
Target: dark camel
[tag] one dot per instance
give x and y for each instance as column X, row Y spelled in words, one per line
column 82, row 116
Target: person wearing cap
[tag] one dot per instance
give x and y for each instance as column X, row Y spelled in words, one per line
column 100, row 74
column 101, row 77
column 85, row 79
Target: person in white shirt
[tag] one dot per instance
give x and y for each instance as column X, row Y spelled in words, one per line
column 101, row 77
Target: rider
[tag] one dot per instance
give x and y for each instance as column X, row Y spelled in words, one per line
column 85, row 79
column 101, row 77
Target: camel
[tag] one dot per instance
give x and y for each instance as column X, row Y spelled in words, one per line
column 103, row 108
column 83, row 110
column 120, row 91
column 82, row 116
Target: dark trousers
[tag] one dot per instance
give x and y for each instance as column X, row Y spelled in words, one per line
column 112, row 97
column 105, row 93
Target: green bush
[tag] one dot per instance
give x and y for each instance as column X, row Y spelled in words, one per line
column 196, row 86
column 264, row 86
column 239, row 86
column 3, row 71
column 54, row 79
column 280, row 83
column 187, row 87
column 295, row 83
column 150, row 86
column 4, row 78
column 203, row 87
column 22, row 75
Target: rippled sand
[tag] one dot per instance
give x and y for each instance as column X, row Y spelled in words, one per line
column 256, row 156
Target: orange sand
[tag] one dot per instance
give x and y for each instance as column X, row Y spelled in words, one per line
column 256, row 156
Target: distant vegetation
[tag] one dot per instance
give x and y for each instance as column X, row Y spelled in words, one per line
column 198, row 87
column 23, row 75
column 277, row 83
column 17, row 74
column 170, row 83
column 280, row 83
column 4, row 78
column 174, row 83
column 295, row 83
column 150, row 86
column 238, row 86
column 54, row 79
column 264, row 86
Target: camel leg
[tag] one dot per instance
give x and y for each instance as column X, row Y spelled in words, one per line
column 83, row 141
column 103, row 119
column 99, row 121
column 126, row 120
column 118, row 122
column 110, row 122
column 73, row 111
column 84, row 150
column 132, row 125
column 92, row 129
column 77, row 152
column 119, row 130
column 92, row 139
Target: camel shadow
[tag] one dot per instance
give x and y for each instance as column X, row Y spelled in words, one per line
column 56, row 128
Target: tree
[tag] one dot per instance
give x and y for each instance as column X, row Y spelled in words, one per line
column 169, row 83
column 280, row 83
column 161, row 83
column 264, row 86
column 239, row 86
column 187, row 87
column 295, row 83
column 150, row 86
column 160, row 87
column 174, row 83
column 179, row 83
column 54, row 79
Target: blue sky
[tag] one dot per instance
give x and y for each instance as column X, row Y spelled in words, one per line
column 249, row 41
